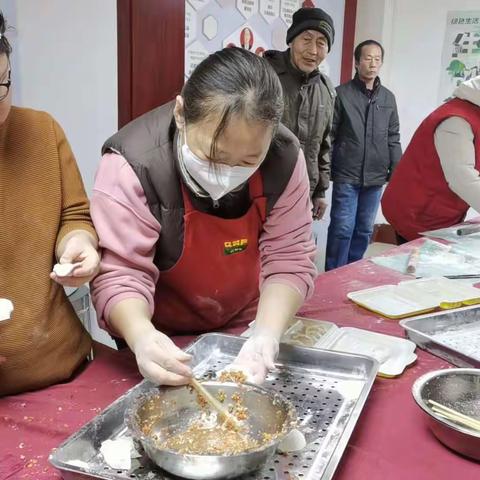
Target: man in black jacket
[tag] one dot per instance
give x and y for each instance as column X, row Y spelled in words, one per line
column 366, row 149
column 308, row 94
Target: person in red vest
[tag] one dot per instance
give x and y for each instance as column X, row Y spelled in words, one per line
column 204, row 219
column 438, row 177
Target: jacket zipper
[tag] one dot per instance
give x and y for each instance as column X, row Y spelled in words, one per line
column 372, row 103
column 365, row 141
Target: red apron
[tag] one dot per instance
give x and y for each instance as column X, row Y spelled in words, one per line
column 215, row 281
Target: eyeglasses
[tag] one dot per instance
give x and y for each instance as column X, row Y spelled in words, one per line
column 5, row 87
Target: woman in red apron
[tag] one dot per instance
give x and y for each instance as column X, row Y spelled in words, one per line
column 202, row 210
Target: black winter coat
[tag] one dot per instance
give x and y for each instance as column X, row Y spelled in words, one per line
column 365, row 134
column 309, row 100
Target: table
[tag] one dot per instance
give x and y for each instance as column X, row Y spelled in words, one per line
column 390, row 442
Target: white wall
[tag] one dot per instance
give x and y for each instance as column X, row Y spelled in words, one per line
column 336, row 9
column 369, row 22
column 65, row 62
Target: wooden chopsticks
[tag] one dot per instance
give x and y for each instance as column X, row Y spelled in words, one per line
column 215, row 404
column 454, row 416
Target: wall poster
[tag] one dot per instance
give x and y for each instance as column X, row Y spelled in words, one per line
column 461, row 50
column 256, row 25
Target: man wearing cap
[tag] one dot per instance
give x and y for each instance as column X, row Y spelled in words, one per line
column 308, row 94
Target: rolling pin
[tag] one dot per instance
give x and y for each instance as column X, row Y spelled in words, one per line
column 413, row 260
column 468, row 230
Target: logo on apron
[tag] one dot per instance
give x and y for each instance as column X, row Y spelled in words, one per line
column 235, row 246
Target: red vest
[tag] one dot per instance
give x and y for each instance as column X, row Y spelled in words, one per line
column 418, row 197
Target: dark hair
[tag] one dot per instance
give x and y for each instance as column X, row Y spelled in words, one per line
column 358, row 49
column 5, row 47
column 233, row 81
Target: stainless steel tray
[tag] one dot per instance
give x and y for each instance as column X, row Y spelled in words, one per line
column 453, row 335
column 328, row 389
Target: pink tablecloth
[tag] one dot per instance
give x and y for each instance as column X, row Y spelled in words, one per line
column 390, row 441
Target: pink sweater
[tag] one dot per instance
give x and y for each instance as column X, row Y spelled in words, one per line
column 128, row 232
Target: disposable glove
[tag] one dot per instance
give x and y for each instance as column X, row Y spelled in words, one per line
column 257, row 357
column 160, row 360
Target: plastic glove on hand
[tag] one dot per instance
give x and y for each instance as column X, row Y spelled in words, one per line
column 161, row 361
column 256, row 358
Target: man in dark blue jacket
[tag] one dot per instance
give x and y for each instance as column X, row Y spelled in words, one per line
column 366, row 149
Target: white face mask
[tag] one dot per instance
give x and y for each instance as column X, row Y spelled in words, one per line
column 216, row 180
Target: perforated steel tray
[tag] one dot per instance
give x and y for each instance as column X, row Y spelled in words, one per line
column 328, row 389
column 453, row 335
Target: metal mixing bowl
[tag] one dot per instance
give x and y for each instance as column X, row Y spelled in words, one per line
column 170, row 409
column 459, row 389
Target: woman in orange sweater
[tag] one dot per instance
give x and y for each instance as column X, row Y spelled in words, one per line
column 44, row 218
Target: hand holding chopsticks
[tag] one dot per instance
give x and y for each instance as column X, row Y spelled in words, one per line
column 454, row 416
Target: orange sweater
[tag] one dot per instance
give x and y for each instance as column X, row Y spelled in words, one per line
column 41, row 199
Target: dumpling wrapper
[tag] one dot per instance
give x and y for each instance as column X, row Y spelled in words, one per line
column 293, row 442
column 6, row 309
column 78, row 463
column 64, row 269
column 117, row 453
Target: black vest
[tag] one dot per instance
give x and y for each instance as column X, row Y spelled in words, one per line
column 149, row 145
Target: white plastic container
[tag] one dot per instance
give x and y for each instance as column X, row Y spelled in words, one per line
column 414, row 297
column 394, row 354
